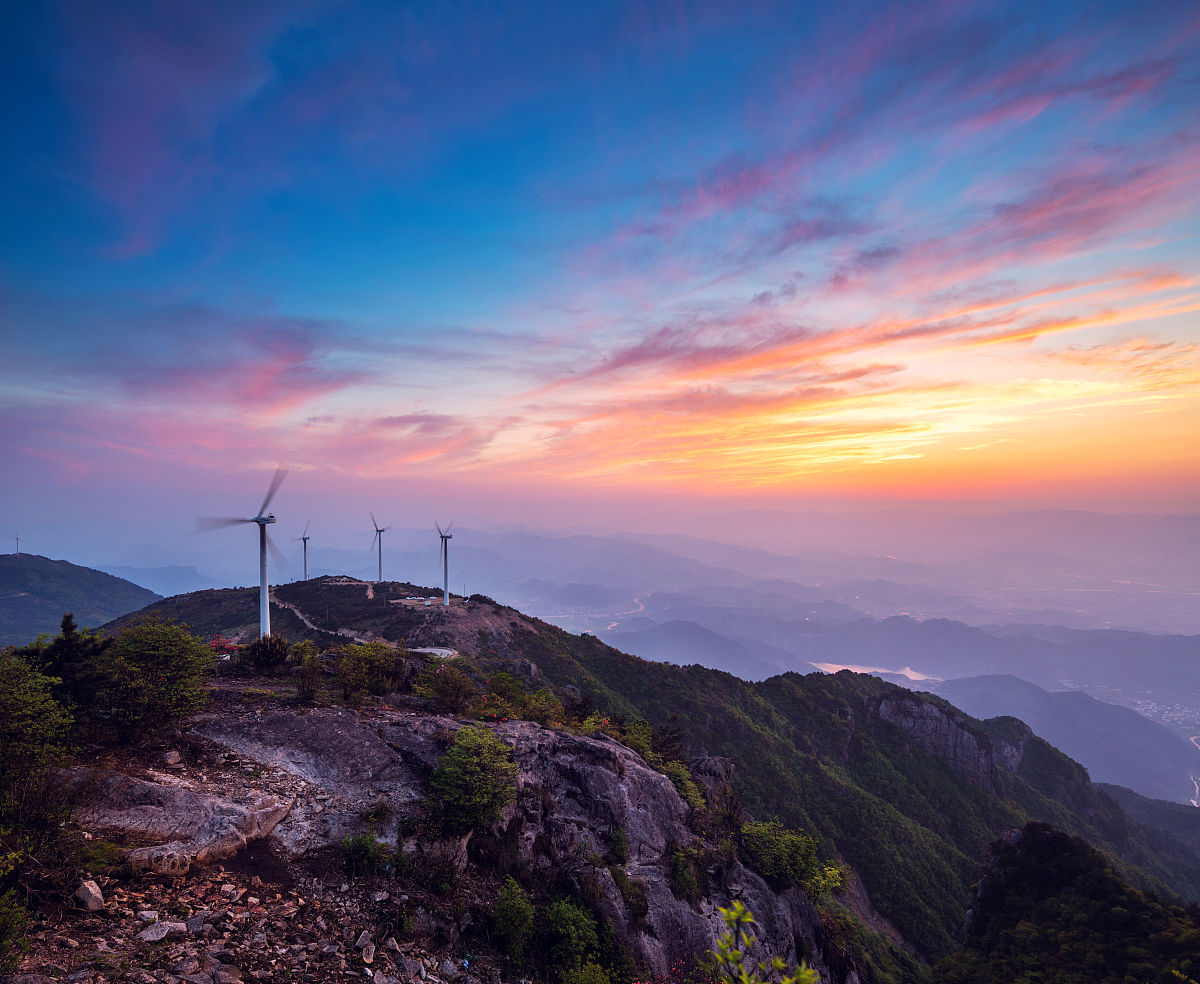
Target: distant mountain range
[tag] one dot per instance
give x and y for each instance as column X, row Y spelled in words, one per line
column 1115, row 744
column 684, row 643
column 36, row 591
column 166, row 580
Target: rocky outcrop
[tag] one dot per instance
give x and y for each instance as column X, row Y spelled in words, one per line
column 943, row 736
column 176, row 824
column 327, row 773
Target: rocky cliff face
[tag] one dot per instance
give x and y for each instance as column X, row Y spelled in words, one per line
column 303, row 780
column 944, row 736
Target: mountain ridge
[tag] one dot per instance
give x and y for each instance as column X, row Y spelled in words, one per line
column 906, row 788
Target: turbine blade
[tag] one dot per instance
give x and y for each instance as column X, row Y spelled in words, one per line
column 306, row 526
column 438, row 526
column 374, row 522
column 206, row 524
column 385, row 529
column 373, row 539
column 280, row 475
column 276, row 554
column 450, row 527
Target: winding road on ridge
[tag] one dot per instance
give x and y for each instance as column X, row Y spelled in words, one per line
column 1195, row 781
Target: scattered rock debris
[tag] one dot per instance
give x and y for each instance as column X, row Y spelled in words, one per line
column 216, row 926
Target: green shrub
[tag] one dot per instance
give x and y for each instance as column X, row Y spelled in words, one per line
column 684, row 784
column 685, row 874
column 447, row 686
column 505, row 685
column 543, row 707
column 788, row 857
column 590, row 973
column 513, row 916
column 34, row 727
column 618, row 846
column 267, row 652
column 153, row 673
column 13, row 922
column 365, row 855
column 301, row 651
column 475, row 780
column 639, row 735
column 352, row 673
column 373, row 667
column 308, row 677
column 733, row 947
column 632, row 891
column 571, row 934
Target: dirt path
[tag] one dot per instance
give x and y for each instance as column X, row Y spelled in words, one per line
column 348, row 633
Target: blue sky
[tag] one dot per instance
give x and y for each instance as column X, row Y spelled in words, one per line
column 763, row 250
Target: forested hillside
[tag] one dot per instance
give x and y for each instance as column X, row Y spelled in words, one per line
column 35, row 591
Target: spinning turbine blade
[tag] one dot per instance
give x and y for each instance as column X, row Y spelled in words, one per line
column 280, row 475
column 374, row 521
column 276, row 554
column 306, row 526
column 438, row 526
column 206, row 524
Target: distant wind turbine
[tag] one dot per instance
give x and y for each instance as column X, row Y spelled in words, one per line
column 305, row 538
column 263, row 519
column 446, row 536
column 379, row 531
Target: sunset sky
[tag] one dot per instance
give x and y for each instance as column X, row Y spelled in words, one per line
column 502, row 255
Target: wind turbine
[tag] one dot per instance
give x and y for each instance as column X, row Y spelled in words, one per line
column 263, row 519
column 446, row 536
column 305, row 538
column 379, row 531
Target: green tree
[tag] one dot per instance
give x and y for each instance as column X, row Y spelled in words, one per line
column 475, row 780
column 154, row 672
column 72, row 659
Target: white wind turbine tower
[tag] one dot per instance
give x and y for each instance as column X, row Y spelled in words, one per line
column 379, row 531
column 304, row 537
column 446, row 536
column 263, row 519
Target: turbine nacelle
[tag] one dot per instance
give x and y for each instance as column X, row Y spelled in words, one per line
column 263, row 520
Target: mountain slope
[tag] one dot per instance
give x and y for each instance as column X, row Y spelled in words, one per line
column 906, row 788
column 1115, row 744
column 1181, row 822
column 36, row 591
column 1050, row 909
